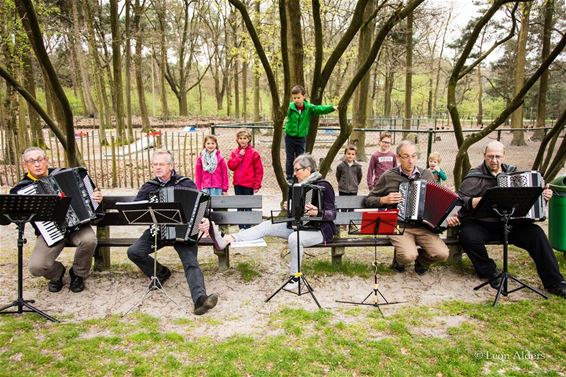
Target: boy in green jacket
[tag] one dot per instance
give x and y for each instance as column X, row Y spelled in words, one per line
column 297, row 125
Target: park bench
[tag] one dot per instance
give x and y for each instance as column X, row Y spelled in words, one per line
column 223, row 214
column 339, row 244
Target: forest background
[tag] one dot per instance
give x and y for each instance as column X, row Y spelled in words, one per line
column 123, row 65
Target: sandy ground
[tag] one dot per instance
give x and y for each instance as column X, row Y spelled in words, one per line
column 241, row 308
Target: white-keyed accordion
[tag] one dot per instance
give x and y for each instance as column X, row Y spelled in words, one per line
column 530, row 178
column 74, row 183
column 195, row 205
column 427, row 203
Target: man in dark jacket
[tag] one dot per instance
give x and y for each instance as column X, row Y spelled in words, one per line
column 162, row 165
column 386, row 194
column 43, row 260
column 475, row 233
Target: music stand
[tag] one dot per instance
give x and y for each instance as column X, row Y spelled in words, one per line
column 382, row 222
column 507, row 203
column 154, row 214
column 20, row 209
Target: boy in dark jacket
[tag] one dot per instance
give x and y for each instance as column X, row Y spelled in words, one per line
column 349, row 173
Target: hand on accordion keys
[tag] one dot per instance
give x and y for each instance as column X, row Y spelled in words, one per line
column 391, row 198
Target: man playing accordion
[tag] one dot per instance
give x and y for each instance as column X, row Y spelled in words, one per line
column 475, row 233
column 385, row 194
column 162, row 165
column 43, row 260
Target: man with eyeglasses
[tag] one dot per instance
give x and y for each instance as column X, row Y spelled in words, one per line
column 386, row 194
column 475, row 233
column 162, row 166
column 43, row 260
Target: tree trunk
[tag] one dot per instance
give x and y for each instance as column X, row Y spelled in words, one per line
column 408, row 73
column 543, row 85
column 479, row 118
column 117, row 72
column 360, row 108
column 138, row 11
column 517, row 116
column 245, row 90
column 128, row 66
column 388, row 90
column 236, row 74
column 295, row 43
column 29, row 83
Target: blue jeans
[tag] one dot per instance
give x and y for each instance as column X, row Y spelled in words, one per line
column 139, row 254
column 213, row 191
column 294, row 147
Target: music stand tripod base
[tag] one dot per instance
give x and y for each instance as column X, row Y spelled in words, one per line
column 302, row 281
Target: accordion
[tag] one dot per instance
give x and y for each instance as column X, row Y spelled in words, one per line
column 194, row 203
column 427, row 203
column 74, row 183
column 530, row 178
column 300, row 195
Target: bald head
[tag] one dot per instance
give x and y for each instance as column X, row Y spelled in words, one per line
column 493, row 156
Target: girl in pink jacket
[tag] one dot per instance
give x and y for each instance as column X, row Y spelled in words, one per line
column 211, row 172
column 246, row 164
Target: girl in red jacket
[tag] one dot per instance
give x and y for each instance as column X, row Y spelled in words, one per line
column 246, row 164
column 211, row 173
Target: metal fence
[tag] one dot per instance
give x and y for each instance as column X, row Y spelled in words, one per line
column 113, row 166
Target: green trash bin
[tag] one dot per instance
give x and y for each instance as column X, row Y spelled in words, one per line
column 557, row 214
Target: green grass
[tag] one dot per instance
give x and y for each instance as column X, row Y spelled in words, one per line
column 248, row 271
column 513, row 339
column 347, row 267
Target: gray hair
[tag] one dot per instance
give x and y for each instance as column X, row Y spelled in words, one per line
column 306, row 160
column 160, row 152
column 404, row 143
column 32, row 149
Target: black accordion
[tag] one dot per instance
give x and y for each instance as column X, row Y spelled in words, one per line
column 74, row 183
column 195, row 205
column 300, row 195
column 530, row 178
column 427, row 203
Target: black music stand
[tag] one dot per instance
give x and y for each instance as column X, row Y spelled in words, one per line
column 298, row 224
column 21, row 209
column 375, row 223
column 154, row 214
column 507, row 203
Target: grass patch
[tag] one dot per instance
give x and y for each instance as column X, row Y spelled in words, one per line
column 348, row 268
column 248, row 271
column 515, row 338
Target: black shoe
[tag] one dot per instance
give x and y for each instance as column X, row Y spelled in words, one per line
column 153, row 284
column 420, row 268
column 56, row 285
column 495, row 282
column 559, row 289
column 77, row 282
column 205, row 303
column 395, row 265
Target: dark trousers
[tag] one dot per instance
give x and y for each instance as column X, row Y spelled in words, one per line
column 294, row 147
column 139, row 254
column 241, row 190
column 475, row 234
column 342, row 193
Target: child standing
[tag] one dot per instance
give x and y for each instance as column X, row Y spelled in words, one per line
column 297, row 125
column 349, row 172
column 382, row 160
column 246, row 164
column 434, row 166
column 211, row 172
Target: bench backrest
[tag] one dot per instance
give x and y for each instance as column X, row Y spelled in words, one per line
column 348, row 202
column 224, row 210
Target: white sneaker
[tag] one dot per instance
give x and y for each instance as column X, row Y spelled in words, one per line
column 216, row 237
column 292, row 285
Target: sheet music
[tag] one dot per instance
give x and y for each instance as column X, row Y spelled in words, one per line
column 255, row 243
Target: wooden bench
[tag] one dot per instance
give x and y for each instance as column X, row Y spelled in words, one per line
column 224, row 213
column 339, row 244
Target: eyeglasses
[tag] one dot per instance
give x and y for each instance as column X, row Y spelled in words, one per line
column 156, row 164
column 38, row 160
column 385, row 142
column 498, row 157
column 296, row 170
column 406, row 157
